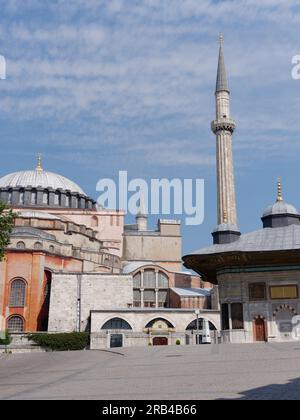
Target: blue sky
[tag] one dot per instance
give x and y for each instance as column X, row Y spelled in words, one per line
column 102, row 86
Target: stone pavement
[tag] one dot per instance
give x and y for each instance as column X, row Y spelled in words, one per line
column 256, row 371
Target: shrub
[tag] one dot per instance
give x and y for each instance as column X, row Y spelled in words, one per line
column 61, row 341
column 178, row 342
column 6, row 340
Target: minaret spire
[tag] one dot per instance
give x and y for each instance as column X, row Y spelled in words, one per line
column 223, row 127
column 222, row 83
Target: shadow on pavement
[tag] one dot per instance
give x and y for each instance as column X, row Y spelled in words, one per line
column 289, row 391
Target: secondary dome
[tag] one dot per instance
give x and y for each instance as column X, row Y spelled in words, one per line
column 281, row 213
column 280, row 207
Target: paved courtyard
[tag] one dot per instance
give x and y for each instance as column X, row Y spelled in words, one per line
column 262, row 371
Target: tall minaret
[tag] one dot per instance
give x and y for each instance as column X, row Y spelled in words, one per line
column 223, row 127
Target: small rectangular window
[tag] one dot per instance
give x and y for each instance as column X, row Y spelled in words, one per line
column 237, row 316
column 225, row 317
column 257, row 291
column 284, row 292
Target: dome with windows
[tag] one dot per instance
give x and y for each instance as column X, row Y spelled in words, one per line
column 39, row 179
column 40, row 188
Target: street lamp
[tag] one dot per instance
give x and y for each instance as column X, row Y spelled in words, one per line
column 197, row 312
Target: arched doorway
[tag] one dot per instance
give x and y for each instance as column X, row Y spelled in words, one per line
column 203, row 330
column 43, row 317
column 260, row 330
column 160, row 341
column 159, row 330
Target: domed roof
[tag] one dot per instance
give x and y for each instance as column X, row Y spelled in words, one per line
column 280, row 207
column 39, row 178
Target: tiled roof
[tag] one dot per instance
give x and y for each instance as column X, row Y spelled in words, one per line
column 269, row 239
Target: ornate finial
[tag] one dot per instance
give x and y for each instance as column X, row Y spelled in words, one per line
column 39, row 163
column 279, row 191
column 221, row 39
column 225, row 216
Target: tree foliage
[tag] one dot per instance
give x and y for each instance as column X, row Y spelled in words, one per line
column 6, row 223
column 6, row 340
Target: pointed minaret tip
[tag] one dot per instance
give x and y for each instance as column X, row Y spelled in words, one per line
column 222, row 83
column 279, row 190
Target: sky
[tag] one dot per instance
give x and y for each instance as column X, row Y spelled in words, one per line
column 100, row 86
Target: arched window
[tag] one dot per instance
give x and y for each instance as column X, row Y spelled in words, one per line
column 51, row 249
column 159, row 323
column 68, row 200
column 15, row 324
column 17, row 294
column 57, row 198
column 9, row 197
column 193, row 325
column 137, row 280
column 20, row 245
column 21, row 197
column 116, row 324
column 38, row 246
column 46, row 198
column 163, row 281
column 154, row 295
column 95, row 222
column 34, row 197
column 149, row 279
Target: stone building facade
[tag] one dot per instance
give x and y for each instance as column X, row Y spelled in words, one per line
column 68, row 257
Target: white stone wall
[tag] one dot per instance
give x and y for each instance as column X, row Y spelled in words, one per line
column 94, row 291
column 138, row 319
column 234, row 287
column 164, row 250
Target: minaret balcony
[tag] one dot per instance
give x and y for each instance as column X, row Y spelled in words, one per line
column 223, row 124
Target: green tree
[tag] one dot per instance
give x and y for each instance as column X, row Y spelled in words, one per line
column 6, row 223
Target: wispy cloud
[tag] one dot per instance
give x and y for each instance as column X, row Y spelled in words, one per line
column 143, row 71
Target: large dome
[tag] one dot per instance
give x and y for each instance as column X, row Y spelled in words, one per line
column 42, row 189
column 39, row 178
